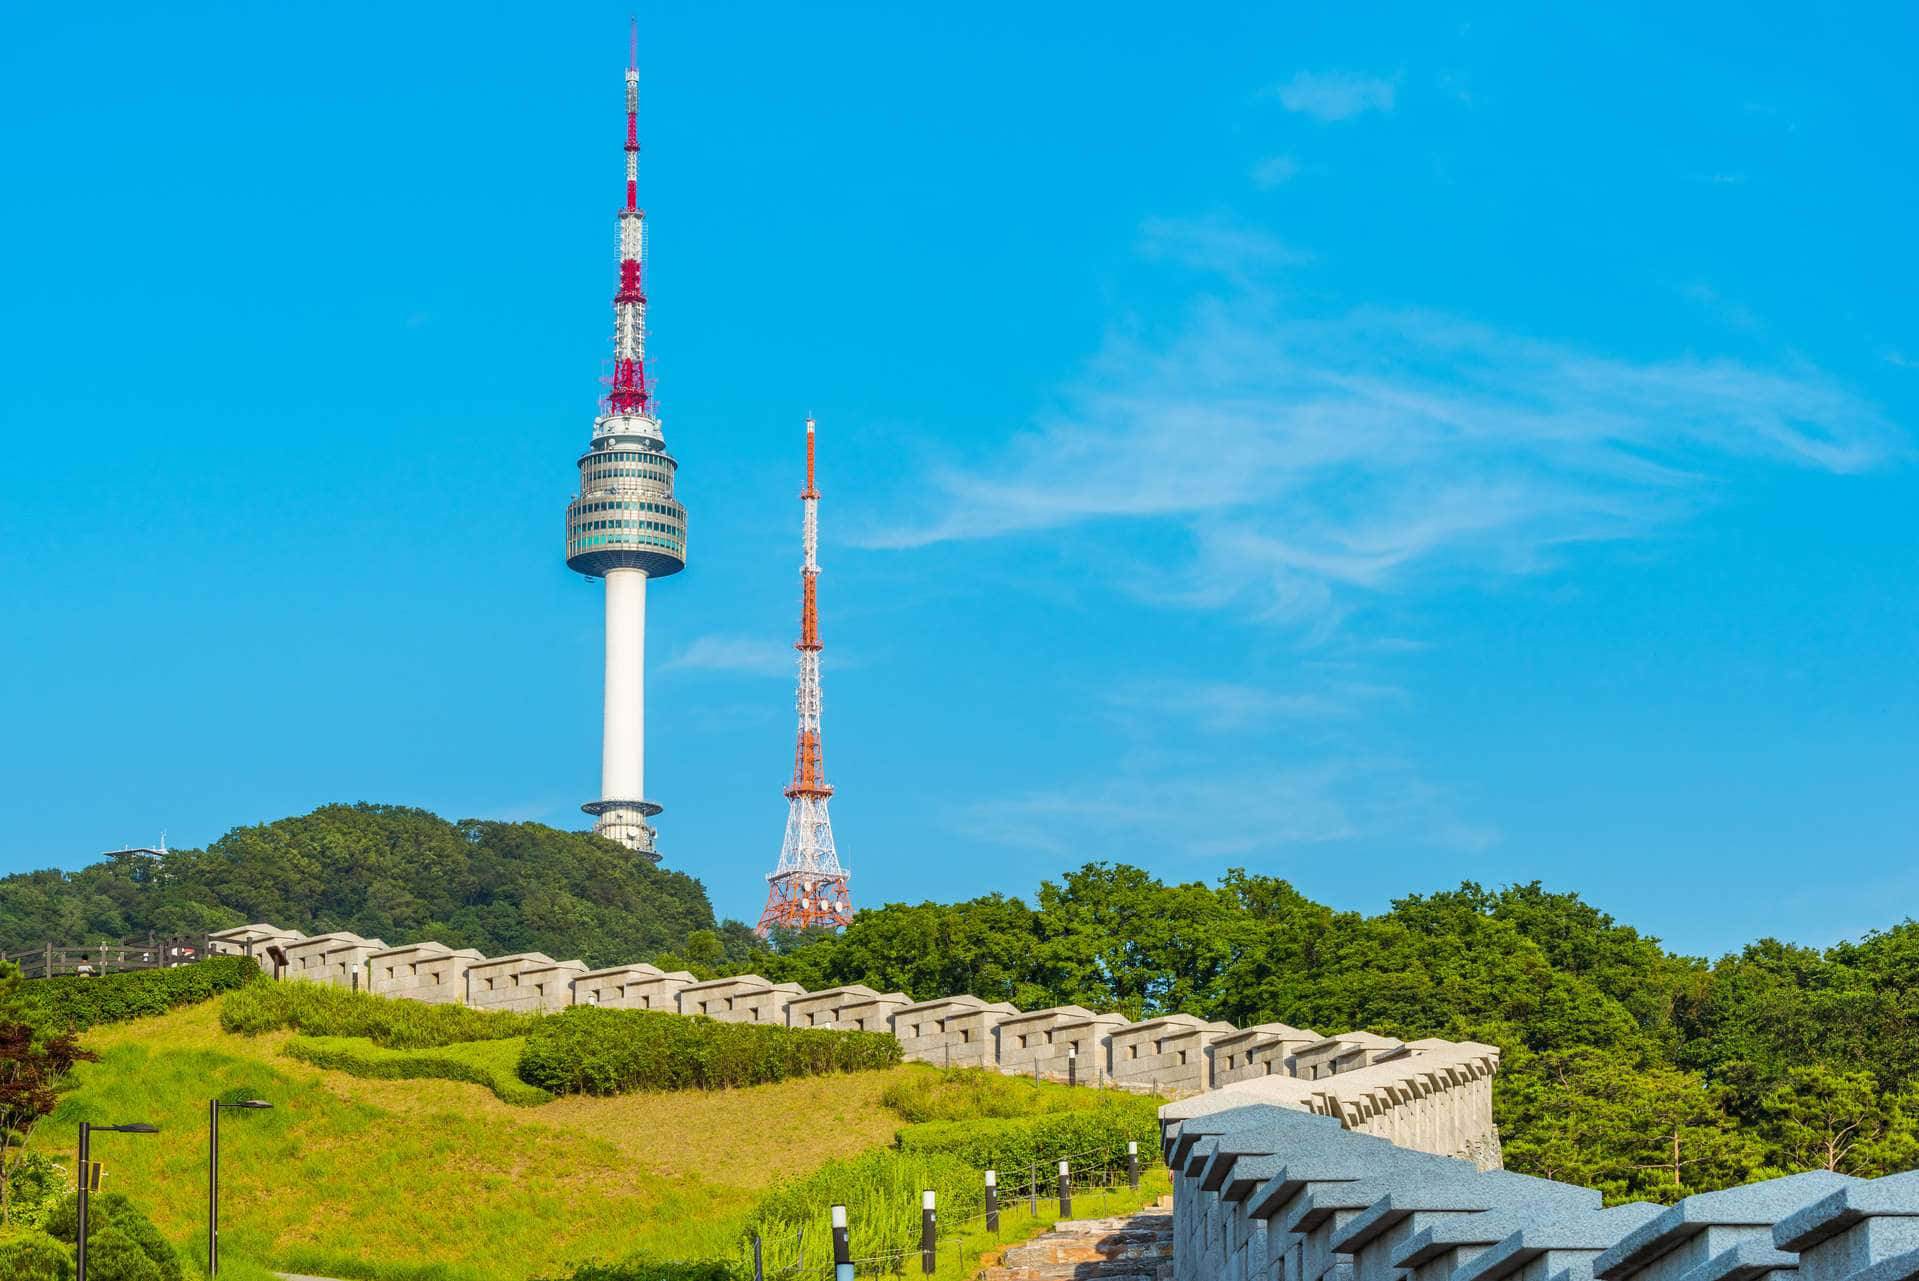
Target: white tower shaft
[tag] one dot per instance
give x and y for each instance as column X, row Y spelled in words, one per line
column 623, row 739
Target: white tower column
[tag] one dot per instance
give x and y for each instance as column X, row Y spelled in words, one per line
column 623, row 742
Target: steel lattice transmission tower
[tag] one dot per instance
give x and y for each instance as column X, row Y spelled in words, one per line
column 808, row 888
column 624, row 526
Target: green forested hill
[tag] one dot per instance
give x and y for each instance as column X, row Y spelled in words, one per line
column 387, row 872
column 1625, row 1067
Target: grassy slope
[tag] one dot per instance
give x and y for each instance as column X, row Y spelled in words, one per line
column 440, row 1179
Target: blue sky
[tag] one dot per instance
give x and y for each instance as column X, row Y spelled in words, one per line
column 1374, row 448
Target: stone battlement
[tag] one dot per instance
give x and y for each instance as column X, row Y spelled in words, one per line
column 1297, row 1181
column 1430, row 1095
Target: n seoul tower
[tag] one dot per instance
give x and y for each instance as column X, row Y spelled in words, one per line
column 808, row 887
column 624, row 525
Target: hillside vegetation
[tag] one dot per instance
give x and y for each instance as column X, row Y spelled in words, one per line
column 418, row 1180
column 360, row 1176
column 389, row 872
column 1626, row 1067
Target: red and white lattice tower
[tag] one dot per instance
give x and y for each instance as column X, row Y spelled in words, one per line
column 808, row 888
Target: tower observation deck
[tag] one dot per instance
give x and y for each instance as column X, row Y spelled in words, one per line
column 624, row 526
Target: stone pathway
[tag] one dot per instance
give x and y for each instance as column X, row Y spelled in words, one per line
column 1131, row 1247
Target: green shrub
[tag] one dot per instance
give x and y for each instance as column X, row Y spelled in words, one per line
column 1092, row 1139
column 493, row 1064
column 112, row 1255
column 967, row 1094
column 657, row 1270
column 587, row 1050
column 122, row 1243
column 320, row 1009
column 881, row 1193
column 37, row 1184
column 81, row 1003
column 35, row 1256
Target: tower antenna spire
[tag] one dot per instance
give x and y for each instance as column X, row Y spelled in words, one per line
column 808, row 888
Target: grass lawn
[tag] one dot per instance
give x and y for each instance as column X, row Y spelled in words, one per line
column 433, row 1180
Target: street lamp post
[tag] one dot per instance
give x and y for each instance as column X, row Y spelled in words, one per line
column 213, row 1176
column 87, row 1131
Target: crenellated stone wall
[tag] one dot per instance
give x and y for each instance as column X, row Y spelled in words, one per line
column 1269, row 1186
column 1431, row 1095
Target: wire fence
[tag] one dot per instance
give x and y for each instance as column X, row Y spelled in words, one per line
column 1014, row 1202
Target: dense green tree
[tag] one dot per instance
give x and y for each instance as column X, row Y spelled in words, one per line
column 387, row 872
column 1822, row 1118
column 1635, row 1129
column 34, row 1063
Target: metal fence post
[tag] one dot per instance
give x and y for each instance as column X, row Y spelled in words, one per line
column 929, row 1248
column 1132, row 1164
column 842, row 1251
column 1033, row 1171
column 992, row 1202
column 1065, row 1193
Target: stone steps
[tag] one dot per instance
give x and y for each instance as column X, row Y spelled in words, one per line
column 1131, row 1247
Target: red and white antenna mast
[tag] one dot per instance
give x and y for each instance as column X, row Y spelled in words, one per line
column 808, row 888
column 630, row 395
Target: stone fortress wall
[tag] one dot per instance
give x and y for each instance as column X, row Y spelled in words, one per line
column 1432, row 1095
column 1265, row 1192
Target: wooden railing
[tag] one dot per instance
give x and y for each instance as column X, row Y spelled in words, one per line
column 150, row 953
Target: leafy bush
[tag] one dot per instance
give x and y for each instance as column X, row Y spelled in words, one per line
column 320, row 1009
column 657, row 1270
column 35, row 1186
column 35, row 1256
column 81, row 1003
column 122, row 1243
column 881, row 1193
column 964, row 1094
column 587, row 1050
column 1091, row 1139
column 489, row 1063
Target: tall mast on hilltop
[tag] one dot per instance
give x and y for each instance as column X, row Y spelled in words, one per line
column 624, row 525
column 808, row 888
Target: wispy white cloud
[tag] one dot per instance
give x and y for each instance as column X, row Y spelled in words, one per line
column 1274, row 171
column 1299, row 464
column 1335, row 95
column 1230, row 706
column 1240, row 815
column 1215, row 245
column 746, row 655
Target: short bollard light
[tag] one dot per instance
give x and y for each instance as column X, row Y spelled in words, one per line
column 1132, row 1164
column 1065, row 1193
column 842, row 1250
column 929, row 1249
column 992, row 1201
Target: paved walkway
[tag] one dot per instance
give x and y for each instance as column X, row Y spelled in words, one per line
column 1129, row 1247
